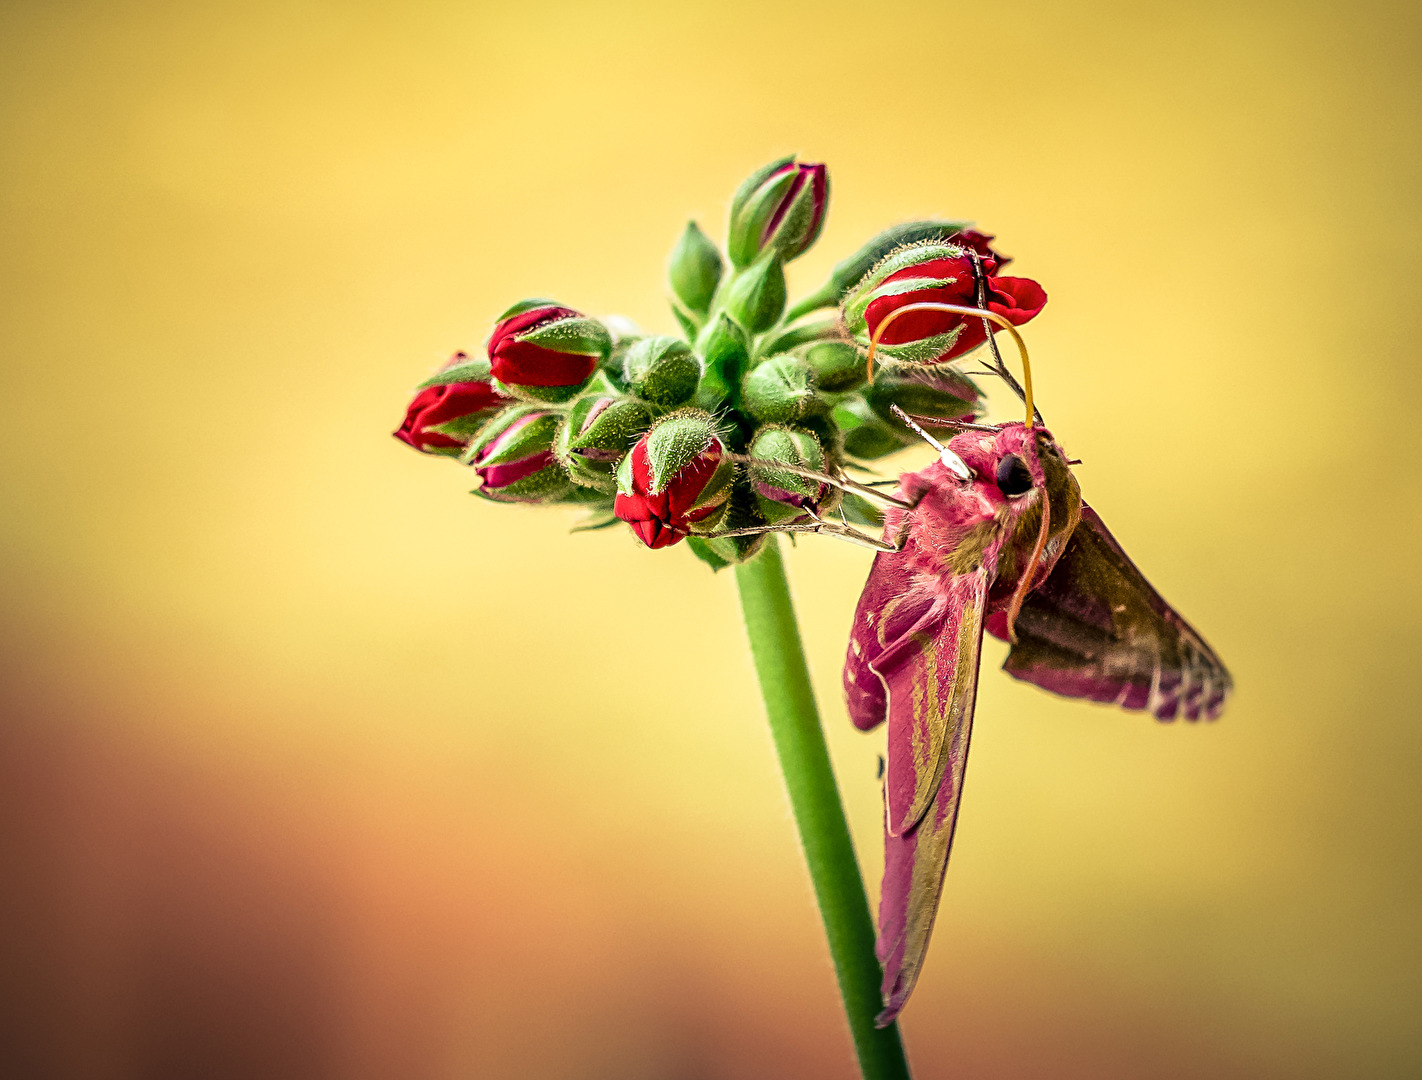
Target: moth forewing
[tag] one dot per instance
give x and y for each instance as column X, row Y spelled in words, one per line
column 931, row 688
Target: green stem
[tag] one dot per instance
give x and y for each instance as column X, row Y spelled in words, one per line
column 827, row 296
column 814, row 798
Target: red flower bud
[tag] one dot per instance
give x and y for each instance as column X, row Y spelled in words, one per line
column 939, row 273
column 545, row 350
column 813, row 180
column 435, row 406
column 694, row 493
column 1016, row 299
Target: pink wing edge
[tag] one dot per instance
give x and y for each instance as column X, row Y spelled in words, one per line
column 913, row 660
column 1069, row 644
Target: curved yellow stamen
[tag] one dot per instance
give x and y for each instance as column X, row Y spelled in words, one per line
column 959, row 309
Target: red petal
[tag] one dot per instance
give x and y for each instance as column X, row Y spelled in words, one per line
column 686, row 487
column 498, row 476
column 918, row 325
column 1016, row 299
column 437, row 405
column 522, row 363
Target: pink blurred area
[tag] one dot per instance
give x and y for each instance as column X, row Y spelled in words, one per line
column 163, row 918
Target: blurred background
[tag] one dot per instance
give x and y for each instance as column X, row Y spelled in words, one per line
column 312, row 765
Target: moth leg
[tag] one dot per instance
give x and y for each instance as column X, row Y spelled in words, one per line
column 826, row 528
column 759, row 530
column 844, row 483
column 863, row 539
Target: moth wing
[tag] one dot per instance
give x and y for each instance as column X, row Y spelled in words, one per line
column 932, row 682
column 892, row 603
column 1097, row 629
column 930, row 679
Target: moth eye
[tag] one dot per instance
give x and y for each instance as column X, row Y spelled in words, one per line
column 1012, row 476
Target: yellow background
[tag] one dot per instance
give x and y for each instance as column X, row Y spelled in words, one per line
column 315, row 766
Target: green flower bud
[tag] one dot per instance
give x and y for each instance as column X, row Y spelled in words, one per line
column 695, row 270
column 784, row 496
column 756, row 296
column 838, row 365
column 598, row 432
column 866, row 434
column 822, row 426
column 662, row 370
column 609, row 376
column 780, row 390
column 937, row 391
column 725, row 347
column 779, row 208
column 513, row 456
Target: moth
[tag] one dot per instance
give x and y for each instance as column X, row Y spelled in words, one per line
column 992, row 537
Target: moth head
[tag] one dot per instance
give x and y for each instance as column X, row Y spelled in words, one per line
column 1023, row 465
column 1025, row 473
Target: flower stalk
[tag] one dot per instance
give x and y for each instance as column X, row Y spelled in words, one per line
column 819, row 815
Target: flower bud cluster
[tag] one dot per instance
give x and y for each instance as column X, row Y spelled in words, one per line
column 740, row 423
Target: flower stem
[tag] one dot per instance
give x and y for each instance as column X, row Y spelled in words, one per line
column 814, row 798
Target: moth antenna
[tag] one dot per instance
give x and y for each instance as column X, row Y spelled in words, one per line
column 973, row 312
column 1014, row 606
column 951, row 461
column 925, row 436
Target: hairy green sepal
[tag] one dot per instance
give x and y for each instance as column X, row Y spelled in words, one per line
column 793, row 446
column 779, row 390
column 662, row 370
column 756, row 297
column 469, row 371
column 848, row 272
column 725, row 346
